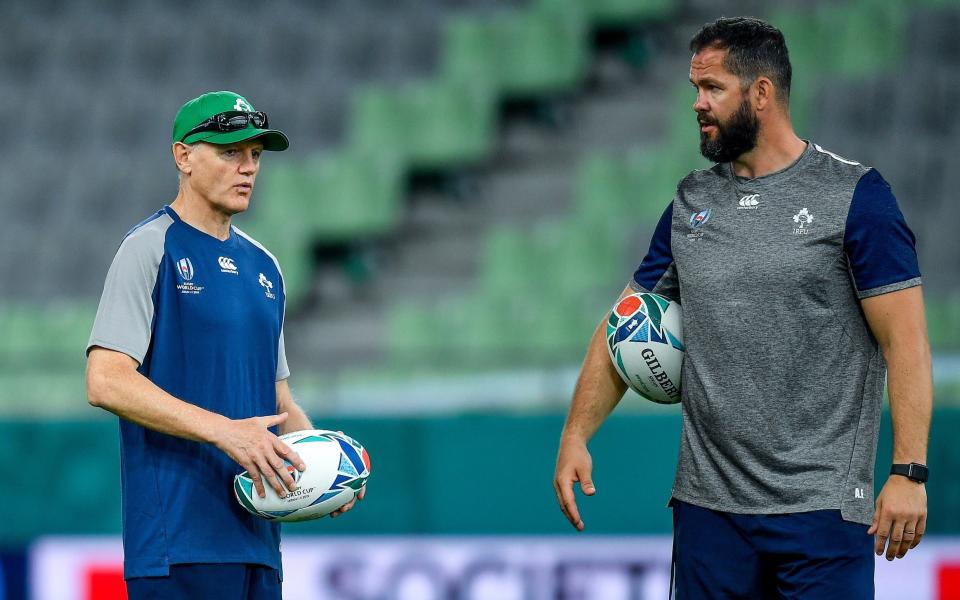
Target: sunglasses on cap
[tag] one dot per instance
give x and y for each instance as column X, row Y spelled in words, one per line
column 230, row 121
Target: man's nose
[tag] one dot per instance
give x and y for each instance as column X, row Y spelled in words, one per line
column 700, row 104
column 248, row 164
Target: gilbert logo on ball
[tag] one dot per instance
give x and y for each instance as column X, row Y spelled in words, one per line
column 645, row 342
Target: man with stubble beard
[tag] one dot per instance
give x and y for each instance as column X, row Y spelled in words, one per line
column 801, row 295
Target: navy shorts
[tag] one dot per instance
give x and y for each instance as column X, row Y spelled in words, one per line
column 812, row 555
column 222, row 581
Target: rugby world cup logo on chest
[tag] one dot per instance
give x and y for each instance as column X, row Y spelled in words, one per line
column 697, row 221
column 185, row 272
column 185, row 268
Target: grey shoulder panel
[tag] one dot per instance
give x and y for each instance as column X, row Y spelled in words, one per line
column 125, row 315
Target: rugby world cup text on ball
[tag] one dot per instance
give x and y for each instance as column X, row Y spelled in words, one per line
column 662, row 378
column 295, row 494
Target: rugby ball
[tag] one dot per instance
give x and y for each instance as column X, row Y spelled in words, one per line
column 337, row 469
column 645, row 342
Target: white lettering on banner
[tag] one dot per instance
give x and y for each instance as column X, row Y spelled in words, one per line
column 467, row 568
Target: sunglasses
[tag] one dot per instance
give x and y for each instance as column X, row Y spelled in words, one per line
column 230, row 121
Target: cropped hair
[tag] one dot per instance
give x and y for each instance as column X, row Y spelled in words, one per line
column 754, row 48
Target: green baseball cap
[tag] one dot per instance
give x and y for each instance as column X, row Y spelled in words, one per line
column 200, row 109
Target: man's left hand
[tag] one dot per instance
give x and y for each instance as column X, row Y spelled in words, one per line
column 349, row 505
column 901, row 516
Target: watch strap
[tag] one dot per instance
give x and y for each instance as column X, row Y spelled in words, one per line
column 913, row 471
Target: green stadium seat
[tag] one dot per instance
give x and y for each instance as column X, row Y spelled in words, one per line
column 450, row 123
column 602, row 194
column 339, row 198
column 378, row 122
column 654, row 176
column 352, row 195
column 508, row 265
column 577, row 257
column 870, row 38
column 411, row 333
column 53, row 336
column 541, row 51
column 626, row 12
column 943, row 323
column 470, row 53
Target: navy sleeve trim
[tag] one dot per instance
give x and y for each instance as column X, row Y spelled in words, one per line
column 659, row 257
column 879, row 245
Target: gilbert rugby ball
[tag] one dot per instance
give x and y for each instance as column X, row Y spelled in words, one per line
column 337, row 469
column 645, row 342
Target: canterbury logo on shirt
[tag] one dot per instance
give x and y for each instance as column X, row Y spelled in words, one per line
column 227, row 265
column 748, row 202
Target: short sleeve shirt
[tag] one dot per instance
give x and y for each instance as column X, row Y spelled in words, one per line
column 204, row 319
column 782, row 379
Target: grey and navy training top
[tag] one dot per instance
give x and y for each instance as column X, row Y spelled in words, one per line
column 782, row 379
column 204, row 318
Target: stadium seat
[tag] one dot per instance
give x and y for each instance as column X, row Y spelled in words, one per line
column 378, row 122
column 410, row 332
column 577, row 257
column 352, row 195
column 602, row 193
column 872, row 37
column 450, row 123
column 943, row 323
column 469, row 52
column 52, row 336
column 541, row 51
column 506, row 264
column 627, row 12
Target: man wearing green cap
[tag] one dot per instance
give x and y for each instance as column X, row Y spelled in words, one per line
column 187, row 349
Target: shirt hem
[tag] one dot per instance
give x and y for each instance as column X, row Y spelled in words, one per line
column 137, row 356
column 745, row 510
column 160, row 566
column 891, row 287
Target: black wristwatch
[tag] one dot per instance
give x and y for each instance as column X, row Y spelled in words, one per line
column 913, row 471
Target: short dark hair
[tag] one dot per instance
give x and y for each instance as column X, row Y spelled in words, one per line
column 754, row 48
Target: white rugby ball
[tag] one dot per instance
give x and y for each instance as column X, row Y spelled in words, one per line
column 645, row 342
column 337, row 469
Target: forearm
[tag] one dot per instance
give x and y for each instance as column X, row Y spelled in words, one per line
column 598, row 391
column 297, row 419
column 910, row 388
column 131, row 396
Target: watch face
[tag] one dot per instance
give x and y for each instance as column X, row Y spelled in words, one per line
column 917, row 472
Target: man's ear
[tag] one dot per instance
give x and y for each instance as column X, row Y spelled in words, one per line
column 181, row 156
column 764, row 93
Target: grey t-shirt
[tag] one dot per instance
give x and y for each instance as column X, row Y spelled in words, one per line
column 782, row 379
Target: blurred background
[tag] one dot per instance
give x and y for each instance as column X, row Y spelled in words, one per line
column 469, row 186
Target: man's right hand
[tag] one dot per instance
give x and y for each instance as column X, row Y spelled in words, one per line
column 254, row 447
column 573, row 464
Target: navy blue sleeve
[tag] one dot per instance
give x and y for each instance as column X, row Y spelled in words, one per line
column 880, row 248
column 656, row 273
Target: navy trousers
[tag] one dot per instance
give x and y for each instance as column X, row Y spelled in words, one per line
column 207, row 581
column 812, row 555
